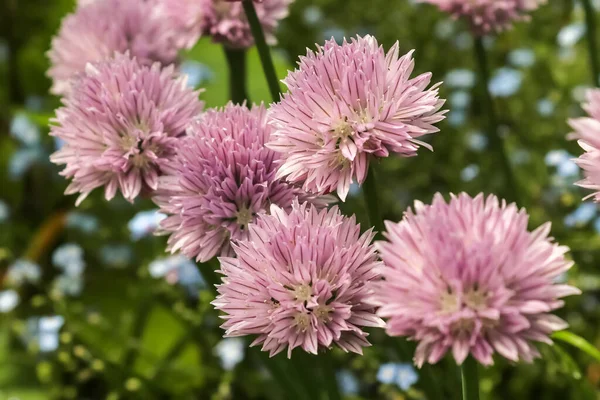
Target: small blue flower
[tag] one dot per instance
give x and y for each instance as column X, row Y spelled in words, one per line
column 22, row 160
column 582, row 215
column 522, row 57
column 231, row 352
column 387, row 373
column 178, row 269
column 196, row 72
column 144, row 223
column 23, row 271
column 4, row 211
column 84, row 222
column 312, row 15
column 402, row 374
column 545, row 107
column 67, row 285
column 460, row 78
column 44, row 331
column 337, row 34
column 571, row 34
column 460, row 99
column 457, row 117
column 469, row 173
column 24, row 130
column 347, row 382
column 477, row 141
column 9, row 299
column 69, row 258
column 505, row 82
column 556, row 157
column 116, row 256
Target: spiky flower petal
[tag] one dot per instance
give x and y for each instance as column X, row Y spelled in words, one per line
column 346, row 105
column 222, row 178
column 300, row 280
column 468, row 277
column 120, row 126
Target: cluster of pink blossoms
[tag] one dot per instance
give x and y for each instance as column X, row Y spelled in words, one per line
column 348, row 104
column 587, row 133
column 468, row 276
column 251, row 184
column 486, row 16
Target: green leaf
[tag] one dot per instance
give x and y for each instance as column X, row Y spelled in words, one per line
column 579, row 342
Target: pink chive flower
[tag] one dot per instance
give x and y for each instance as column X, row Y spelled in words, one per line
column 468, row 277
column 226, row 22
column 150, row 30
column 222, row 178
column 120, row 126
column 300, row 280
column 587, row 133
column 348, row 104
column 487, row 16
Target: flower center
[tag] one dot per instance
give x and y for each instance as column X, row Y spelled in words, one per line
column 322, row 312
column 302, row 322
column 303, row 292
column 475, row 299
column 244, row 216
column 449, row 302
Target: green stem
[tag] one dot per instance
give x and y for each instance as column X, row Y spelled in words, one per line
column 236, row 59
column 372, row 201
column 333, row 392
column 174, row 352
column 590, row 21
column 427, row 378
column 208, row 270
column 496, row 142
column 470, row 379
column 141, row 319
column 263, row 49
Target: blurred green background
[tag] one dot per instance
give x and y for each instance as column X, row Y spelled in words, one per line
column 106, row 314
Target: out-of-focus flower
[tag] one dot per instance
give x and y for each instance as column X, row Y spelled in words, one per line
column 23, row 271
column 43, row 332
column 230, row 352
column 486, row 287
column 24, row 130
column 196, row 72
column 84, row 222
column 347, row 382
column 69, row 258
column 144, row 223
column 4, row 211
column 151, row 30
column 348, row 104
column 222, row 178
column 304, row 275
column 178, row 269
column 487, row 16
column 571, row 34
column 582, row 215
column 116, row 256
column 226, row 21
column 9, row 299
column 67, row 285
column 460, row 78
column 587, row 134
column 505, row 82
column 402, row 375
column 121, row 125
column 522, row 57
column 22, row 160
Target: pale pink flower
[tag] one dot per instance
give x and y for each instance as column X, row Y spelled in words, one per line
column 120, row 126
column 300, row 280
column 468, row 277
column 348, row 104
column 222, row 178
column 150, row 30
column 226, row 21
column 487, row 16
column 587, row 134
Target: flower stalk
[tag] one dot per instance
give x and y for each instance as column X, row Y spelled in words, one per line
column 470, row 379
column 591, row 32
column 372, row 202
column 263, row 49
column 236, row 60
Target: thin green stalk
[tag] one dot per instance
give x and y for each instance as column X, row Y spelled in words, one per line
column 470, row 379
column 427, row 378
column 590, row 21
column 497, row 143
column 208, row 270
column 236, row 59
column 372, row 201
column 174, row 352
column 330, row 381
column 141, row 319
column 263, row 49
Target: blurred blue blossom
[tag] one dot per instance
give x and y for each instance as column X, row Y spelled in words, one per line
column 44, row 332
column 24, row 130
column 505, row 82
column 22, row 160
column 84, row 222
column 460, row 99
column 337, row 34
column 4, row 211
column 9, row 299
column 231, row 352
column 463, row 41
column 469, row 173
column 144, row 223
column 522, row 57
column 347, row 382
column 23, row 271
column 354, row 189
column 582, row 215
column 197, row 73
column 69, row 258
column 457, row 117
column 116, row 256
column 444, row 28
column 477, row 141
column 545, row 107
column 34, row 103
column 67, row 285
column 401, row 374
column 460, row 78
column 571, row 34
column 563, row 162
column 178, row 269
column 312, row 15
